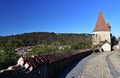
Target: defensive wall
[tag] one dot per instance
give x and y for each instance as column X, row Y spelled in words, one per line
column 49, row 65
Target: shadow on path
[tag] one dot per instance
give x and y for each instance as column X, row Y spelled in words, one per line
column 76, row 69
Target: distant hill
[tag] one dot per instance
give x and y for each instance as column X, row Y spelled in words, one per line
column 37, row 38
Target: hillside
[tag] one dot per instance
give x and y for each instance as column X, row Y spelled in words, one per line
column 37, row 38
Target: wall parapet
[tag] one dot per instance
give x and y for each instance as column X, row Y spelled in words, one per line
column 44, row 65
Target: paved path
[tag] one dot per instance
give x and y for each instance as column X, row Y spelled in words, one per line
column 97, row 67
column 77, row 68
column 103, row 65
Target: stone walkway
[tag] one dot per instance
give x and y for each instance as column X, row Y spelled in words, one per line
column 103, row 65
column 114, row 64
column 97, row 68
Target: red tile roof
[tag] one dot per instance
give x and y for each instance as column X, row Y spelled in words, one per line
column 101, row 24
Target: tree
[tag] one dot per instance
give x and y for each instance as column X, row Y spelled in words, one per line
column 114, row 40
column 8, row 56
column 118, row 38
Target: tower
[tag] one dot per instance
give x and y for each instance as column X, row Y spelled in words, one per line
column 101, row 32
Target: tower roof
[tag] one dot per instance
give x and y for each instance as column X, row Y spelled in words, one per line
column 101, row 24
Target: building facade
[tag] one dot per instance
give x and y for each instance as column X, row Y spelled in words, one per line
column 101, row 32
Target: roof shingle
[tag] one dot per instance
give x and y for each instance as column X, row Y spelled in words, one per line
column 101, row 24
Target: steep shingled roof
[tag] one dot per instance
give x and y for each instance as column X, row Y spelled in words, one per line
column 101, row 24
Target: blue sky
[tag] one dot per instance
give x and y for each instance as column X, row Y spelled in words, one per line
column 59, row 16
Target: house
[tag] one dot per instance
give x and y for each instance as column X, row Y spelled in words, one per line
column 106, row 47
column 23, row 50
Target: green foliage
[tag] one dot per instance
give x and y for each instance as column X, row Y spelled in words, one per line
column 7, row 59
column 82, row 44
column 37, row 38
column 114, row 40
column 46, row 42
column 8, row 56
column 44, row 48
column 118, row 38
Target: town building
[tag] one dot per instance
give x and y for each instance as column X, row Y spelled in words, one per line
column 101, row 33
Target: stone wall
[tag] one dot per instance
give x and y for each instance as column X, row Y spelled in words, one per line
column 101, row 36
column 51, row 67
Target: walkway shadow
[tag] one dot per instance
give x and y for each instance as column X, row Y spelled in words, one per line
column 78, row 67
column 66, row 71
